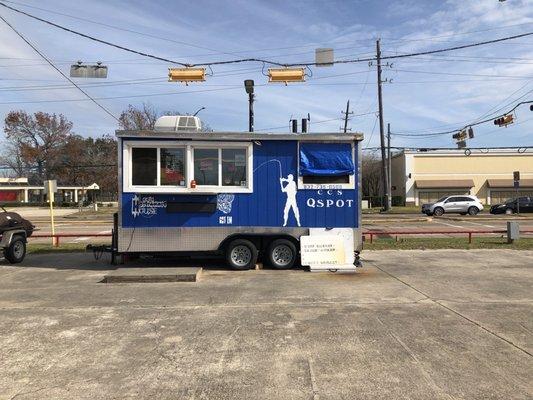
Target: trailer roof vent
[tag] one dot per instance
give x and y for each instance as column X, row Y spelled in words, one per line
column 178, row 123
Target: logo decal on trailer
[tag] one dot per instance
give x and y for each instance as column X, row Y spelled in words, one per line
column 146, row 206
column 224, row 202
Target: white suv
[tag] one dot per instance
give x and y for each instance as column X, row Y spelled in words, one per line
column 458, row 204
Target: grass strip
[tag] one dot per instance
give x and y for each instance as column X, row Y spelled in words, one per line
column 447, row 243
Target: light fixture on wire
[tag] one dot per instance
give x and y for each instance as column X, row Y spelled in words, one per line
column 186, row 75
column 286, row 75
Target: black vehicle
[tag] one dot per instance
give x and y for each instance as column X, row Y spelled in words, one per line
column 14, row 232
column 512, row 206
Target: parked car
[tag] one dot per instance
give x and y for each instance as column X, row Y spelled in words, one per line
column 14, row 231
column 512, row 206
column 454, row 204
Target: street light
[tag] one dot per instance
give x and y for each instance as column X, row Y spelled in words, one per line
column 249, row 87
column 200, row 109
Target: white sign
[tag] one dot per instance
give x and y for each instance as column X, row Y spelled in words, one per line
column 342, row 238
column 52, row 184
column 322, row 250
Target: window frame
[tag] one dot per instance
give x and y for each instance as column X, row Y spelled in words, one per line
column 189, row 147
column 317, row 186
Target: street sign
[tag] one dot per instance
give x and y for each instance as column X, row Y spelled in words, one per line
column 52, row 184
column 324, row 57
column 88, row 71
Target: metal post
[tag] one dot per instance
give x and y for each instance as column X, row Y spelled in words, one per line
column 346, row 116
column 51, row 201
column 389, row 168
column 250, row 112
column 385, row 178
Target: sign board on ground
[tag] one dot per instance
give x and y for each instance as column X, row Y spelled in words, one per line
column 328, row 249
column 324, row 250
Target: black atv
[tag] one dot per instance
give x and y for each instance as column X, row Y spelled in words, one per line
column 14, row 232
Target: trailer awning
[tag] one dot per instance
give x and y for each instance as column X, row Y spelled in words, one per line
column 444, row 183
column 326, row 159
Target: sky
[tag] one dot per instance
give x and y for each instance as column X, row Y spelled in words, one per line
column 424, row 94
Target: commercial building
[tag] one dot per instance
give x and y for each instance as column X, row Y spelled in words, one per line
column 425, row 176
column 18, row 190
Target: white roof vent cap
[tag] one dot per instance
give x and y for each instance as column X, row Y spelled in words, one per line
column 178, row 123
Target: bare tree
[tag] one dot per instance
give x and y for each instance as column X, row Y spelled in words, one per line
column 145, row 116
column 142, row 118
column 371, row 175
column 35, row 142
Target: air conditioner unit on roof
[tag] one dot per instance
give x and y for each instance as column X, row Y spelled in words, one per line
column 178, row 123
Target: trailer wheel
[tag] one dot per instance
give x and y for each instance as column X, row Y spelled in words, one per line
column 241, row 254
column 282, row 254
column 16, row 251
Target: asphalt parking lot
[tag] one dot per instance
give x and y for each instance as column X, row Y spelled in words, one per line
column 411, row 324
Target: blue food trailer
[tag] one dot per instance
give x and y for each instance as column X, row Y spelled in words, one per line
column 244, row 195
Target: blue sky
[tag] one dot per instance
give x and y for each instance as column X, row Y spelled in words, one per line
column 427, row 94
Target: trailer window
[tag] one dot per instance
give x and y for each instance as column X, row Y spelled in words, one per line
column 172, row 167
column 234, row 167
column 143, row 166
column 322, row 164
column 206, row 166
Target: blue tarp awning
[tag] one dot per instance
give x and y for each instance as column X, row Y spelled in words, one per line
column 326, row 159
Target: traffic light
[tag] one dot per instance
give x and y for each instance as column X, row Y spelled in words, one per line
column 470, row 133
column 505, row 120
column 516, row 176
column 186, row 75
column 531, row 107
column 286, row 75
column 460, row 136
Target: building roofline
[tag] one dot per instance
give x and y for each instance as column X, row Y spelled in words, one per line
column 473, row 151
column 334, row 136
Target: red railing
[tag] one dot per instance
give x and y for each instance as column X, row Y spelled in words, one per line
column 470, row 234
column 369, row 234
column 57, row 236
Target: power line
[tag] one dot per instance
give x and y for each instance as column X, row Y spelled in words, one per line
column 120, row 28
column 124, row 97
column 57, row 69
column 265, row 61
column 462, row 74
column 464, row 127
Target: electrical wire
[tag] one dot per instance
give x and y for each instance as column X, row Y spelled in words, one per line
column 464, row 127
column 124, row 97
column 57, row 69
column 120, row 28
column 281, row 64
column 462, row 74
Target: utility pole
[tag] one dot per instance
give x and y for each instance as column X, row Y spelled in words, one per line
column 385, row 178
column 389, row 167
column 346, row 115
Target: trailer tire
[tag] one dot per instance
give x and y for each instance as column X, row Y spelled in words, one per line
column 241, row 254
column 282, row 254
column 16, row 251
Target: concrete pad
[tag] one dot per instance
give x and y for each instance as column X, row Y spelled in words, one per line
column 443, row 324
column 153, row 275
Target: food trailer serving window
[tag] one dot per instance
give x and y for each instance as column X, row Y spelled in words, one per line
column 213, row 167
column 326, row 164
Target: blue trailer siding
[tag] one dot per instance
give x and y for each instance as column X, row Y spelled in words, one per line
column 264, row 207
